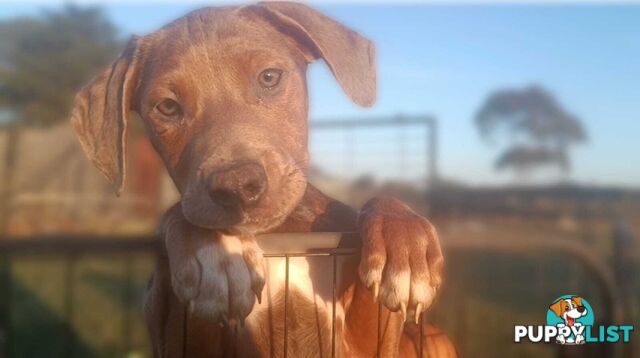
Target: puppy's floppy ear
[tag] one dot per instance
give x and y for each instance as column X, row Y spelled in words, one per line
column 577, row 300
column 557, row 307
column 350, row 56
column 100, row 113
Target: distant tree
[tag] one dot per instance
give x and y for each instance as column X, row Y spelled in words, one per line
column 46, row 59
column 539, row 130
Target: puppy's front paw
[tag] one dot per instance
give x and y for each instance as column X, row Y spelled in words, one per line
column 561, row 340
column 401, row 257
column 216, row 275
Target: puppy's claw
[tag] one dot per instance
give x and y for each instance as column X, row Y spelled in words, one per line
column 376, row 291
column 418, row 312
column 259, row 296
column 403, row 309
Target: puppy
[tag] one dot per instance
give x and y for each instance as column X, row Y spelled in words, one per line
column 222, row 93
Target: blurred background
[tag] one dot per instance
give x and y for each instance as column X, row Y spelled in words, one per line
column 514, row 127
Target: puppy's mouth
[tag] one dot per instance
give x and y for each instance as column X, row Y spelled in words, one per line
column 202, row 212
column 223, row 210
column 570, row 321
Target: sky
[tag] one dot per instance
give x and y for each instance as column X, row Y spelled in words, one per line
column 444, row 60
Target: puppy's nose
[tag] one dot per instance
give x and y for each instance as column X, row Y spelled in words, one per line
column 580, row 309
column 242, row 184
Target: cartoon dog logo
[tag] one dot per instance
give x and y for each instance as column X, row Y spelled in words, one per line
column 569, row 309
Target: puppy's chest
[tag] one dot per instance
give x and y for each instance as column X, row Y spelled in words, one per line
column 306, row 284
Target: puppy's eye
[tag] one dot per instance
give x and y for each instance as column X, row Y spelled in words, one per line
column 270, row 77
column 169, row 108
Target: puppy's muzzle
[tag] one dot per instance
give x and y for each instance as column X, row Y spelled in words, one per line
column 241, row 185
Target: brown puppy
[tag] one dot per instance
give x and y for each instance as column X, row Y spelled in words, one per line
column 223, row 95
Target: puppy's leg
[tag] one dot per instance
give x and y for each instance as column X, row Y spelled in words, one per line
column 403, row 241
column 369, row 328
column 434, row 342
column 401, row 263
column 173, row 331
column 401, row 257
column 163, row 313
column 205, row 278
column 318, row 212
column 217, row 275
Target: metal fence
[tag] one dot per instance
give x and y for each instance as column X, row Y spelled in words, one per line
column 71, row 249
column 330, row 254
column 391, row 141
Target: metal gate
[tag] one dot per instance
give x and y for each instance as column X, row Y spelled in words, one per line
column 73, row 247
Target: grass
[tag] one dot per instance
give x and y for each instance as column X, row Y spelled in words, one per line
column 83, row 306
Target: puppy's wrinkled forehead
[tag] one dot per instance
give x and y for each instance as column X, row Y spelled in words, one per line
column 217, row 45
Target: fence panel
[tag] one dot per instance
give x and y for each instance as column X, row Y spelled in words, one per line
column 77, row 297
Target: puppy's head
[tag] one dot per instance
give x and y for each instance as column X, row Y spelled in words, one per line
column 223, row 95
column 569, row 309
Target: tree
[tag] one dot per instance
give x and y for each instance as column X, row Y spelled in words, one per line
column 45, row 60
column 539, row 130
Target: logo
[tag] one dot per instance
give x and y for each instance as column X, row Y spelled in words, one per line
column 570, row 321
column 570, row 314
